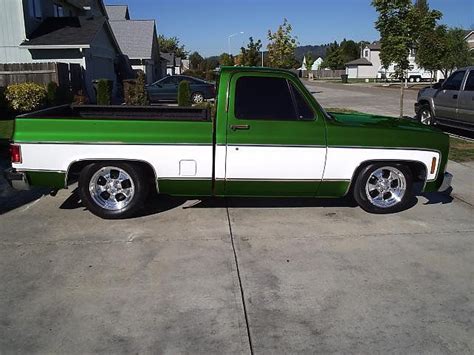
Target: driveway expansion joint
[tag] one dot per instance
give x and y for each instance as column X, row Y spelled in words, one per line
column 242, row 293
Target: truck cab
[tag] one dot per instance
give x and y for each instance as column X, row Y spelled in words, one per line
column 449, row 103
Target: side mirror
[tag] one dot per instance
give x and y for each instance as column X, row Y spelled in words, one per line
column 437, row 85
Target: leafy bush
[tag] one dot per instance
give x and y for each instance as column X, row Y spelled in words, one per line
column 184, row 94
column 26, row 97
column 3, row 101
column 80, row 98
column 134, row 91
column 104, row 92
column 208, row 106
column 52, row 93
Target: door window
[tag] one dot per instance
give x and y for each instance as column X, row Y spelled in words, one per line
column 304, row 111
column 266, row 98
column 454, row 81
column 470, row 82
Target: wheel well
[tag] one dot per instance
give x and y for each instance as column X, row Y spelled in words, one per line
column 418, row 171
column 76, row 168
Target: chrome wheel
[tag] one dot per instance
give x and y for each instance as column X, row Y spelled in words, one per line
column 111, row 188
column 386, row 187
column 425, row 116
column 198, row 98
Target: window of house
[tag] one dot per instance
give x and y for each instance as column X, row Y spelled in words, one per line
column 470, row 82
column 58, row 10
column 454, row 81
column 366, row 53
column 35, row 8
column 264, row 98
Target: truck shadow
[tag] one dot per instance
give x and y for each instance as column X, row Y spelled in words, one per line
column 158, row 204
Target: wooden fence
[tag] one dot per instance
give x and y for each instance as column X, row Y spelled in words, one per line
column 64, row 74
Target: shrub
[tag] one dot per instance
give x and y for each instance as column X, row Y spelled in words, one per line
column 25, row 97
column 52, row 93
column 3, row 101
column 80, row 98
column 184, row 94
column 134, row 91
column 104, row 92
column 208, row 106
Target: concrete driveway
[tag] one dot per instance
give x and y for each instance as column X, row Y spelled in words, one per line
column 237, row 276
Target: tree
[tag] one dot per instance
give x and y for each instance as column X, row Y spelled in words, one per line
column 172, row 45
column 281, row 47
column 195, row 59
column 334, row 57
column 456, row 51
column 226, row 59
column 251, row 56
column 309, row 61
column 209, row 64
column 349, row 51
column 398, row 35
column 184, row 94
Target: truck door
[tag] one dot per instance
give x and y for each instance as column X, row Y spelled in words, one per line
column 466, row 100
column 446, row 99
column 276, row 143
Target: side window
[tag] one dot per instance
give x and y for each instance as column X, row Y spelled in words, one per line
column 58, row 10
column 470, row 82
column 454, row 81
column 304, row 110
column 165, row 81
column 263, row 98
column 35, row 8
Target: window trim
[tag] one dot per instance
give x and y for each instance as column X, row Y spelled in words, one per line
column 233, row 79
column 461, row 86
column 471, row 72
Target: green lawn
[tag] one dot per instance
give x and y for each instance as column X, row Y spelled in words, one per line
column 461, row 150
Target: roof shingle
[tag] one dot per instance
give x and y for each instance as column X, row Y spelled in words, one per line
column 66, row 31
column 135, row 37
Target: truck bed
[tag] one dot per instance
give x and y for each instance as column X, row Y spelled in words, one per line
column 122, row 112
column 115, row 124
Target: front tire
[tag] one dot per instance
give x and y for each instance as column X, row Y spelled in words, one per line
column 384, row 188
column 425, row 115
column 113, row 190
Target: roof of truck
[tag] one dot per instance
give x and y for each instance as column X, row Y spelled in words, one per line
column 256, row 69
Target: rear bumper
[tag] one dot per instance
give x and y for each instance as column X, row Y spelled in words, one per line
column 448, row 179
column 16, row 179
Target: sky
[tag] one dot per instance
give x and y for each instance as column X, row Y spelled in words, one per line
column 204, row 25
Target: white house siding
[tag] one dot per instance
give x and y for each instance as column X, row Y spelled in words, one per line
column 12, row 31
column 352, row 72
column 367, row 72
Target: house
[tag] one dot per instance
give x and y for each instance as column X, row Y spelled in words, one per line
column 67, row 31
column 367, row 65
column 469, row 37
column 138, row 40
column 174, row 64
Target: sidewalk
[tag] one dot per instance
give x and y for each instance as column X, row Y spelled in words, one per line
column 463, row 181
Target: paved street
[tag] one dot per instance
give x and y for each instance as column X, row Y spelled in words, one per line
column 360, row 97
column 227, row 276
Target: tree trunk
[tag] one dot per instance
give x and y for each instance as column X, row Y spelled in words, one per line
column 402, row 94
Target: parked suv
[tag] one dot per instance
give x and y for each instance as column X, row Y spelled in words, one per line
column 449, row 103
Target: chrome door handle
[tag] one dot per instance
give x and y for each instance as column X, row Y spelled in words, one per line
column 236, row 127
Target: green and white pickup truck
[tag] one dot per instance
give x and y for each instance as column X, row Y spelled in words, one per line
column 269, row 137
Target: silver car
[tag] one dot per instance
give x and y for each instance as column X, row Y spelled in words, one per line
column 449, row 103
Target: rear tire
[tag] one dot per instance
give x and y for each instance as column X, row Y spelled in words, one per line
column 197, row 98
column 113, row 190
column 383, row 188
